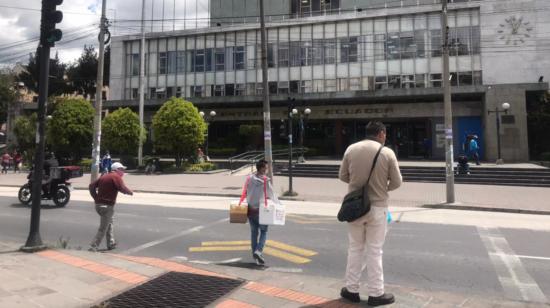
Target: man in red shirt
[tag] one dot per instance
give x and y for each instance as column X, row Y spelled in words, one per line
column 104, row 191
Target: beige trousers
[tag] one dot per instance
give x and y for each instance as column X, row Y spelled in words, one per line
column 366, row 239
column 106, row 213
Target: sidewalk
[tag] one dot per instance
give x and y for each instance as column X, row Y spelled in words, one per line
column 70, row 278
column 472, row 197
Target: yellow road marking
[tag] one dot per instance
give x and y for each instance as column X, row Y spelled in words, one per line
column 225, row 243
column 219, row 248
column 293, row 249
column 285, row 256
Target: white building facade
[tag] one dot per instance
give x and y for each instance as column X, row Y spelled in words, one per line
column 350, row 62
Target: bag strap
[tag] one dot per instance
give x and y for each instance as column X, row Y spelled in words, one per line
column 374, row 164
column 265, row 190
column 243, row 194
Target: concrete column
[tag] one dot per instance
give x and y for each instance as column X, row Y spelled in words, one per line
column 513, row 136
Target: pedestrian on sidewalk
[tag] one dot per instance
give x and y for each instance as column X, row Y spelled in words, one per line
column 17, row 162
column 6, row 159
column 474, row 149
column 104, row 191
column 257, row 184
column 106, row 163
column 369, row 232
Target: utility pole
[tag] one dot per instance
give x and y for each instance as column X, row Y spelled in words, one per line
column 141, row 83
column 96, row 150
column 449, row 155
column 48, row 36
column 265, row 92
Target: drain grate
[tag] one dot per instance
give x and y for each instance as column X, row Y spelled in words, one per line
column 175, row 289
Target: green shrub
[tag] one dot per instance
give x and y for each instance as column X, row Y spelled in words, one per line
column 206, row 166
column 85, row 164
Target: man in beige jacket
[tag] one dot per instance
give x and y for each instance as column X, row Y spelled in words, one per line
column 369, row 231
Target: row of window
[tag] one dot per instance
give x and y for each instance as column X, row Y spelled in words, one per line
column 380, row 47
column 317, row 86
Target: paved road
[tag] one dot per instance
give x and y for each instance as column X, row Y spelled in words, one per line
column 486, row 254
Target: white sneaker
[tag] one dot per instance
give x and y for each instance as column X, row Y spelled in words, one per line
column 258, row 257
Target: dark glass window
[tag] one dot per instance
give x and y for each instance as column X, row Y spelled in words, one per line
column 229, row 89
column 317, row 52
column 239, row 58
column 437, row 43
column 199, row 60
column 283, row 55
column 220, row 59
column 271, row 55
column 163, row 61
column 209, row 61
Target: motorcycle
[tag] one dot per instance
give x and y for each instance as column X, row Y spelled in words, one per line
column 56, row 187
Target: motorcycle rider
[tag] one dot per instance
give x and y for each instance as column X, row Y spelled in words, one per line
column 49, row 162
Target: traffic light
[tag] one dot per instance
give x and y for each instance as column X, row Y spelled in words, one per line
column 50, row 17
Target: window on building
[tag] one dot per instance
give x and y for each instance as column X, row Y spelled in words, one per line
column 240, row 57
column 163, row 62
column 272, row 87
column 330, row 85
column 209, row 60
column 295, row 54
column 318, row 85
column 407, row 81
column 259, row 89
column 465, row 79
column 435, row 81
column 459, row 41
column 367, row 83
column 407, row 45
column 477, row 78
column 380, row 47
column 190, row 60
column 313, row 7
column 179, row 92
column 381, row 82
column 229, row 58
column 220, row 59
column 317, row 52
column 330, row 51
column 172, row 62
column 219, row 90
column 348, row 49
column 180, row 62
column 305, row 7
column 229, row 89
column 240, row 89
column 343, row 84
column 454, row 79
column 393, row 46
column 306, row 86
column 197, row 91
column 169, row 92
column 437, row 43
column 199, row 60
column 420, row 42
column 294, row 87
column 271, row 55
column 283, row 54
column 135, row 65
column 355, row 84
column 305, row 53
column 152, row 93
column 251, row 88
column 135, row 93
column 420, row 80
column 394, row 81
column 476, row 40
column 283, row 88
column 160, row 93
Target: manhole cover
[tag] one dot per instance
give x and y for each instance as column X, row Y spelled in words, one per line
column 175, row 289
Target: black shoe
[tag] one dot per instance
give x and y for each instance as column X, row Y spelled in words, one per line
column 352, row 297
column 111, row 247
column 258, row 257
column 385, row 299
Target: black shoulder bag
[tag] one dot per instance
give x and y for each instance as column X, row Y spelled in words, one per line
column 356, row 204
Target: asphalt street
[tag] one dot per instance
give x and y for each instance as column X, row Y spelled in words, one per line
column 463, row 258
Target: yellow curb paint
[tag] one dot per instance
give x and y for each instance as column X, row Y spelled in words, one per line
column 285, row 256
column 219, row 248
column 293, row 249
column 225, row 243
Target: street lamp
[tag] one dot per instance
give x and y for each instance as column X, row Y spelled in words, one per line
column 291, row 112
column 505, row 107
column 303, row 117
column 208, row 119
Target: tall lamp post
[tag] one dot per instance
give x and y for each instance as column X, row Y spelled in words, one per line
column 505, row 106
column 291, row 112
column 303, row 117
column 207, row 120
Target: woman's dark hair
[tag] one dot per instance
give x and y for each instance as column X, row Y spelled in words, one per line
column 374, row 128
column 260, row 164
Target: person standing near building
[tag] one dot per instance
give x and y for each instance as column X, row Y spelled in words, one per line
column 106, row 163
column 474, row 149
column 369, row 232
column 6, row 159
column 104, row 191
column 17, row 162
column 257, row 185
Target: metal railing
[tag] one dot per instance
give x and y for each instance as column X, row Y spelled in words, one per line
column 251, row 157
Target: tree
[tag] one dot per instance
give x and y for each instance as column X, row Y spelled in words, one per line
column 178, row 128
column 8, row 95
column 121, row 132
column 82, row 74
column 70, row 129
column 25, row 132
column 57, row 84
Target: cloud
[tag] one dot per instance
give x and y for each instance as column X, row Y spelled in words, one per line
column 81, row 21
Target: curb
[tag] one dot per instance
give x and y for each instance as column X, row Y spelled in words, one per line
column 427, row 206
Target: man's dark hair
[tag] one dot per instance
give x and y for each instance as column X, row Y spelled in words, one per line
column 374, row 128
column 260, row 164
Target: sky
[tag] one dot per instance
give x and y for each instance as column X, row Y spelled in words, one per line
column 20, row 23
